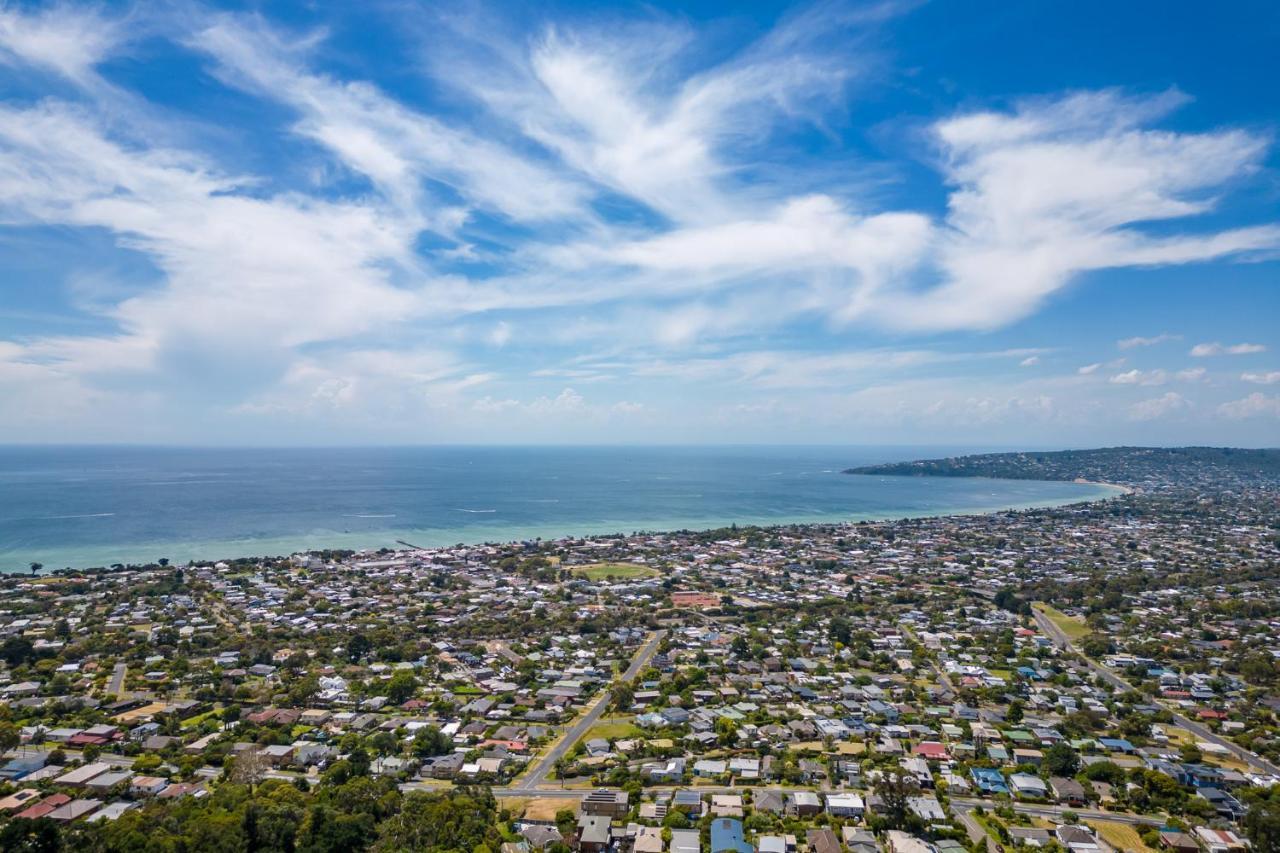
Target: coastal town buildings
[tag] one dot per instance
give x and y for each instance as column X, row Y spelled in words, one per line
column 935, row 684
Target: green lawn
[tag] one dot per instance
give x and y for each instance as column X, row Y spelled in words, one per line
column 620, row 571
column 198, row 719
column 1074, row 628
column 612, row 729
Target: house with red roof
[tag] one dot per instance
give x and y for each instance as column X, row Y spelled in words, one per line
column 931, row 750
column 46, row 806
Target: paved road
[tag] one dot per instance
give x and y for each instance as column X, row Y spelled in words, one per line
column 1056, row 812
column 1060, row 639
column 933, row 664
column 975, row 830
column 961, row 805
column 538, row 774
column 116, row 686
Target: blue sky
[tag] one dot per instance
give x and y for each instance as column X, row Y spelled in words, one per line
column 1052, row 223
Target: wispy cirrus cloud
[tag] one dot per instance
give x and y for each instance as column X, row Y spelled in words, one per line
column 395, row 147
column 65, row 39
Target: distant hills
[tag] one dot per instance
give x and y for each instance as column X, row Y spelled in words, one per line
column 1145, row 466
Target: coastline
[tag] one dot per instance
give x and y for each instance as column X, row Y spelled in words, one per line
column 86, row 557
column 1126, row 490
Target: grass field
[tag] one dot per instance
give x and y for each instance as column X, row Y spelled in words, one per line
column 1074, row 628
column 1120, row 836
column 198, row 719
column 621, row 571
column 611, row 729
column 537, row 808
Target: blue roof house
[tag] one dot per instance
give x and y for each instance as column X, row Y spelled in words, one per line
column 726, row 837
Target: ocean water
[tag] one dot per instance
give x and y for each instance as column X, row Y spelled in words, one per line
column 95, row 506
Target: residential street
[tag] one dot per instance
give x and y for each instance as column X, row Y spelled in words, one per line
column 1061, row 640
column 538, row 774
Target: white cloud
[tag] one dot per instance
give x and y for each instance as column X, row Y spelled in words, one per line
column 1130, row 343
column 567, row 408
column 1159, row 407
column 1255, row 405
column 369, row 383
column 286, row 297
column 1140, row 377
column 395, row 147
column 489, row 406
column 64, row 39
column 262, row 273
column 1056, row 189
column 500, row 334
column 567, row 400
column 611, row 100
column 1053, row 190
column 1157, row 377
column 1213, row 349
column 1269, row 378
column 627, row 407
column 777, row 370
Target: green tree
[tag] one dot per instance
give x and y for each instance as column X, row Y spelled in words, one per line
column 359, row 761
column 429, row 741
column 302, row 690
column 1105, row 771
column 358, row 647
column 441, row 821
column 726, row 730
column 1061, row 760
column 9, row 737
column 896, row 787
column 328, row 831
column 1262, row 826
column 1259, row 669
column 401, row 686
column 623, row 697
column 17, row 650
column 31, row 836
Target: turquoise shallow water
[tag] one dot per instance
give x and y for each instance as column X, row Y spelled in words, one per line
column 94, row 506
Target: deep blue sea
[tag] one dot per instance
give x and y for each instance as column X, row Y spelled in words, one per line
column 94, row 506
